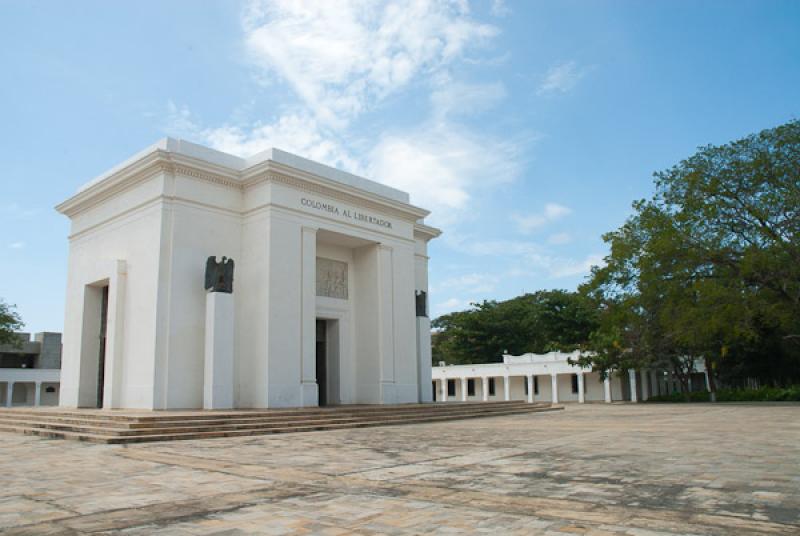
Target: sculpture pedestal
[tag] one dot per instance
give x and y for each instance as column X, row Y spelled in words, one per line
column 218, row 376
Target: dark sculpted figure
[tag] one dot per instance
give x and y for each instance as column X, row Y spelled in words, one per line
column 219, row 275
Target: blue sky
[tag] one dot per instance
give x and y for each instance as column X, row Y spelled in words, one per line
column 527, row 128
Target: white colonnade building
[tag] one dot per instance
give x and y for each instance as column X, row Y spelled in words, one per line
column 329, row 300
column 549, row 378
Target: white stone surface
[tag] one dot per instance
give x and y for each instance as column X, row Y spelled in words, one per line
column 219, row 343
column 145, row 228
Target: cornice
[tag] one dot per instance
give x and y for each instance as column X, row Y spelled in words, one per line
column 426, row 232
column 160, row 161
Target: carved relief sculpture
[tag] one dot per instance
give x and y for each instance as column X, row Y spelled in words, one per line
column 331, row 278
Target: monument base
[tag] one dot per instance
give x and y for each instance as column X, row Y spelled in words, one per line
column 218, row 376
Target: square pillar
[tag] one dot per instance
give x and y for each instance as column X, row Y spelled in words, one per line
column 9, row 393
column 485, row 388
column 632, row 381
column 506, row 388
column 529, row 379
column 385, row 312
column 645, row 375
column 37, row 394
column 463, row 389
column 554, row 387
column 581, row 395
column 607, row 389
column 218, row 359
column 309, row 391
column 444, row 389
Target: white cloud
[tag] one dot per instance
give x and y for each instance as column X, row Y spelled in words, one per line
column 561, row 78
column 473, row 283
column 16, row 211
column 531, row 222
column 441, row 165
column 558, row 239
column 500, row 9
column 570, row 267
column 454, row 99
column 343, row 57
column 16, row 245
column 450, row 305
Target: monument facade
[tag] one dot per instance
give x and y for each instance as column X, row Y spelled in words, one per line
column 322, row 306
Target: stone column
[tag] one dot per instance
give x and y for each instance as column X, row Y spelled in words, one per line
column 463, row 389
column 37, row 394
column 9, row 393
column 444, row 389
column 506, row 388
column 581, row 395
column 607, row 389
column 218, row 358
column 554, row 387
column 632, row 381
column 385, row 333
column 708, row 381
column 485, row 388
column 309, row 391
column 529, row 379
column 645, row 388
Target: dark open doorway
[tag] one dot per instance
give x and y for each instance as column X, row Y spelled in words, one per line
column 101, row 358
column 322, row 362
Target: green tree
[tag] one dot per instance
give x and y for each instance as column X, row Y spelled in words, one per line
column 710, row 266
column 539, row 322
column 9, row 323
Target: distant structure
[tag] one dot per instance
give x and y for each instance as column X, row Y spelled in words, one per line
column 551, row 378
column 30, row 373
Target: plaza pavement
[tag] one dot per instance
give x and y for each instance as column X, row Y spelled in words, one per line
column 594, row 469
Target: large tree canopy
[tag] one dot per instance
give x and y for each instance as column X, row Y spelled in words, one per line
column 538, row 322
column 9, row 323
column 710, row 266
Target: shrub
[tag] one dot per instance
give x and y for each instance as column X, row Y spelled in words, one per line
column 763, row 394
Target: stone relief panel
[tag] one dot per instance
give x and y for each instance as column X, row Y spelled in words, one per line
column 331, row 278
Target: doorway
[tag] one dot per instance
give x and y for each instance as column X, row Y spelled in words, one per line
column 101, row 357
column 328, row 361
column 322, row 362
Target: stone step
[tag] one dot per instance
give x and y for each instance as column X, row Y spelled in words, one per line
column 145, row 416
column 107, row 438
column 211, row 418
column 197, row 426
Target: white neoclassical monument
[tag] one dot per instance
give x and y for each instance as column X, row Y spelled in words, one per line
column 551, row 378
column 329, row 286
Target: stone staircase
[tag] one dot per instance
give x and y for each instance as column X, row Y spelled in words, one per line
column 120, row 426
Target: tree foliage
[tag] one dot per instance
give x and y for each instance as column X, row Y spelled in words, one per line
column 538, row 322
column 10, row 322
column 709, row 267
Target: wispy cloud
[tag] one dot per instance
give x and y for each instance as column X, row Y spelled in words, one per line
column 559, row 239
column 500, row 9
column 16, row 211
column 530, row 222
column 341, row 58
column 442, row 165
column 561, row 78
column 16, row 245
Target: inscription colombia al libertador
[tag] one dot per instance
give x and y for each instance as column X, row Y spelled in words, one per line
column 347, row 213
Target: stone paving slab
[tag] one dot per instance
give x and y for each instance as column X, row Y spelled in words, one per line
column 639, row 470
